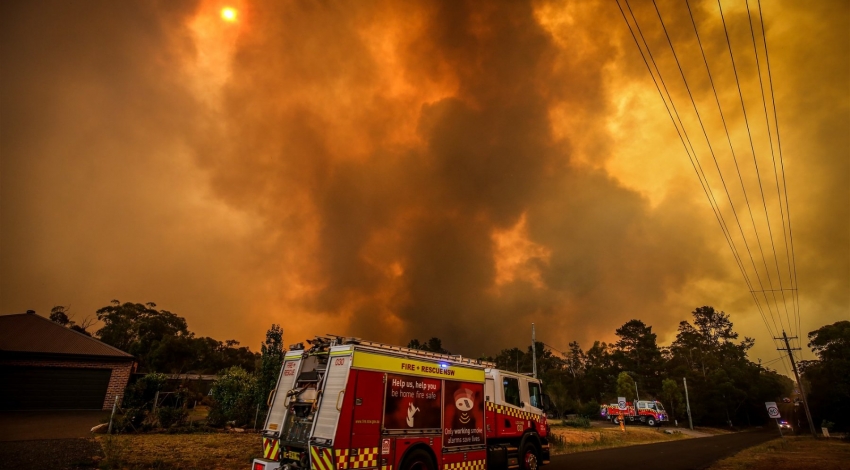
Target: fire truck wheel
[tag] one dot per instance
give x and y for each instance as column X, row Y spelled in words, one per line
column 418, row 460
column 530, row 461
column 650, row 422
column 616, row 421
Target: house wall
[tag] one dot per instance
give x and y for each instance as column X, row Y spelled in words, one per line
column 117, row 380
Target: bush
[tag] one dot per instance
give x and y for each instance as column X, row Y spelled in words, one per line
column 141, row 393
column 133, row 419
column 577, row 422
column 169, row 416
column 589, row 410
column 234, row 398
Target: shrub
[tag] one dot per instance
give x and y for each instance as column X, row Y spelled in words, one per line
column 577, row 422
column 169, row 416
column 234, row 397
column 589, row 410
column 141, row 393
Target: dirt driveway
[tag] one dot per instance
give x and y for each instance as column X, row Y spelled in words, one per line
column 37, row 425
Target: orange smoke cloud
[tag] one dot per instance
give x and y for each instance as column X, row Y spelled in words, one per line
column 389, row 170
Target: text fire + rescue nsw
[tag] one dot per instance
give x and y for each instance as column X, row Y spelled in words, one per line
column 427, row 369
column 464, row 436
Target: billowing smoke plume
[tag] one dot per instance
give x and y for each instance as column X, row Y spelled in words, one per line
column 387, row 170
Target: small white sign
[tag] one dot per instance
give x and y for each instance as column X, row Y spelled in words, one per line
column 621, row 403
column 772, row 409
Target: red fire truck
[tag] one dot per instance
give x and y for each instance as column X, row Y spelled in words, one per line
column 346, row 403
column 650, row 412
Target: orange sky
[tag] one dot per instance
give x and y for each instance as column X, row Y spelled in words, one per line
column 394, row 170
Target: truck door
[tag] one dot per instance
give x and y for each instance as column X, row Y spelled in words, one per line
column 366, row 419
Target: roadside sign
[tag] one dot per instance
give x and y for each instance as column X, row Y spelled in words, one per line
column 772, row 409
column 621, row 403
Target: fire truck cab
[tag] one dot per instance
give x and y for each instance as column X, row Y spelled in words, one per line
column 346, row 404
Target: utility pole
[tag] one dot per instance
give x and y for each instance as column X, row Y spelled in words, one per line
column 688, row 404
column 533, row 352
column 788, row 349
column 637, row 395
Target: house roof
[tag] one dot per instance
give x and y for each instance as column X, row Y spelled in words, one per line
column 31, row 333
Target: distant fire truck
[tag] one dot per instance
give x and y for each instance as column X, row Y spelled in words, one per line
column 352, row 404
column 650, row 412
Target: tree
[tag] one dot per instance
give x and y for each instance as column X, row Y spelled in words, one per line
column 432, row 345
column 637, row 351
column 234, row 397
column 714, row 326
column 671, row 394
column 161, row 341
column 271, row 362
column 576, row 359
column 725, row 386
column 625, row 386
column 829, row 376
column 59, row 314
column 599, row 378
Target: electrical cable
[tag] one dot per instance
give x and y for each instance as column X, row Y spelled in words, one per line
column 792, row 259
column 706, row 187
column 775, row 174
column 711, row 150
column 723, row 120
column 755, row 163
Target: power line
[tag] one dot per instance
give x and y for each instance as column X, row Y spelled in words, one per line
column 773, row 159
column 791, row 260
column 700, row 173
column 728, row 138
column 755, row 162
column 711, row 150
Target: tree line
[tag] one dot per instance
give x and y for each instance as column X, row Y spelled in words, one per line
column 161, row 340
column 724, row 386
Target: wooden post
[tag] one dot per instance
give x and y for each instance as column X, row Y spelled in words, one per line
column 114, row 405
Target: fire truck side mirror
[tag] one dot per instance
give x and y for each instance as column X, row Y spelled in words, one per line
column 546, row 402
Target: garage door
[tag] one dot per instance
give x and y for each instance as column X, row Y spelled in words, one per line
column 56, row 388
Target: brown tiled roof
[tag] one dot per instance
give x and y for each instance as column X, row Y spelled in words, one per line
column 30, row 333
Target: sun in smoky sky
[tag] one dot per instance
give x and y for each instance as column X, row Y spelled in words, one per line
column 228, row 14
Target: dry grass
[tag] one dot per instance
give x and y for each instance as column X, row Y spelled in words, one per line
column 173, row 451
column 791, row 453
column 570, row 440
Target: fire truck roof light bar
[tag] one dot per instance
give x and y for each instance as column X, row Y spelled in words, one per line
column 331, row 339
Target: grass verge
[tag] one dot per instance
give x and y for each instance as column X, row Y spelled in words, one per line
column 569, row 440
column 791, row 453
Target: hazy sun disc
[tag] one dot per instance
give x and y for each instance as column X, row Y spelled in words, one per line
column 228, row 14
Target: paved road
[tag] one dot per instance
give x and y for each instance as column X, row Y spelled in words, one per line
column 688, row 454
